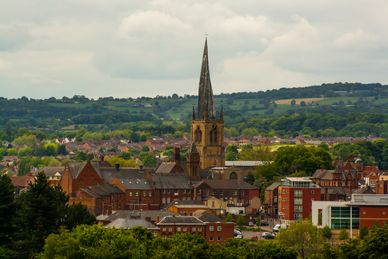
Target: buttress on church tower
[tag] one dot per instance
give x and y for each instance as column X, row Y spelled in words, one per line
column 207, row 130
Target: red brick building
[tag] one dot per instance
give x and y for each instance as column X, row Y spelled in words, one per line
column 210, row 227
column 79, row 175
column 100, row 199
column 271, row 199
column 295, row 197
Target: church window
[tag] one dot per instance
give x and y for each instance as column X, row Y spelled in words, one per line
column 198, row 135
column 213, row 135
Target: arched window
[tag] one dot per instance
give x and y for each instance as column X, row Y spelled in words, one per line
column 213, row 135
column 233, row 176
column 198, row 135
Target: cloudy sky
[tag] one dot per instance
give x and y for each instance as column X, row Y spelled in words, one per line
column 135, row 48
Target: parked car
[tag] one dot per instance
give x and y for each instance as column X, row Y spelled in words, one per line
column 238, row 234
column 276, row 228
column 268, row 235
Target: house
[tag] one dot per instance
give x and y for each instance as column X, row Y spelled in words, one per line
column 234, row 192
column 218, row 206
column 21, row 183
column 100, row 199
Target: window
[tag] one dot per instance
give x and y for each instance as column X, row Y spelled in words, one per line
column 213, row 204
column 219, row 228
column 298, row 201
column 149, row 194
column 169, row 229
column 193, row 229
column 319, row 217
column 130, row 194
column 340, row 217
column 312, row 191
column 137, row 194
column 164, row 229
column 184, row 229
column 298, row 193
column 178, row 229
column 219, row 238
column 199, row 229
column 211, row 228
column 144, row 194
column 211, row 238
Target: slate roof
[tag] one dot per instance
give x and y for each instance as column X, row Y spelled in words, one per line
column 225, row 184
column 168, row 220
column 171, row 181
column 208, row 217
column 100, row 190
column 153, row 215
column 165, row 168
column 323, row 174
column 76, row 168
column 140, row 184
column 50, row 171
column 108, row 173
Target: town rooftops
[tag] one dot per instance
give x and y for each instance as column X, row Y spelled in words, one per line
column 225, row 184
column 183, row 220
column 100, row 190
column 167, row 181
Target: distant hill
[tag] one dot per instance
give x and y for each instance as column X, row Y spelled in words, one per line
column 341, row 108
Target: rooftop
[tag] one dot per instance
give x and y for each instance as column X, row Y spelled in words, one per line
column 189, row 220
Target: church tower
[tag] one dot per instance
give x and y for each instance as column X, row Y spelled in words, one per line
column 207, row 130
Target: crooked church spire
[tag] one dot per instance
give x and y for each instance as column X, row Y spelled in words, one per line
column 205, row 93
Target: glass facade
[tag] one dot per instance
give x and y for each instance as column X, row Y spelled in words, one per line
column 340, row 217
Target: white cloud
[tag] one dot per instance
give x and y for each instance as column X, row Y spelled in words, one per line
column 132, row 48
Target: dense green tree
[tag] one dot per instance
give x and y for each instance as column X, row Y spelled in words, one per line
column 41, row 211
column 78, row 214
column 363, row 232
column 303, row 237
column 343, row 235
column 231, row 153
column 375, row 244
column 7, row 210
column 326, row 232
